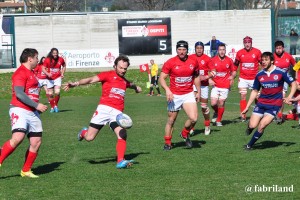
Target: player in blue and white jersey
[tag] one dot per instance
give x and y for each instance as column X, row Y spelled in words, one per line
column 269, row 81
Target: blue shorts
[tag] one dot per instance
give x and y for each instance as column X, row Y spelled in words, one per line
column 261, row 110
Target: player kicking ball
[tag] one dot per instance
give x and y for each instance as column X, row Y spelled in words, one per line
column 111, row 104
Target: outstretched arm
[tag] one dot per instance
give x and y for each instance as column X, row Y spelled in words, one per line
column 137, row 89
column 85, row 81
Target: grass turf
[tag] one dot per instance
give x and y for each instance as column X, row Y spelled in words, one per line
column 216, row 168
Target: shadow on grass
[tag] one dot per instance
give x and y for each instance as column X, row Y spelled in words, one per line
column 201, row 131
column 45, row 169
column 272, row 144
column 65, row 110
column 196, row 144
column 11, row 176
column 297, row 127
column 130, row 156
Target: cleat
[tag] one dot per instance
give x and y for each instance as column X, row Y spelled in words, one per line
column 79, row 137
column 207, row 130
column 243, row 118
column 192, row 132
column 149, row 95
column 124, row 164
column 187, row 141
column 167, row 147
column 214, row 118
column 56, row 109
column 158, row 95
column 52, row 110
column 219, row 124
column 247, row 147
column 28, row 174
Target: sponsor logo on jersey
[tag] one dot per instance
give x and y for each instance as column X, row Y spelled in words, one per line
column 117, row 91
column 183, row 79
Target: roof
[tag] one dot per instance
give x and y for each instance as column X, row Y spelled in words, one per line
column 11, row 5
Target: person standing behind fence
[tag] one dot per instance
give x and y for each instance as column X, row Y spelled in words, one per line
column 214, row 44
column 54, row 67
column 293, row 42
column 154, row 78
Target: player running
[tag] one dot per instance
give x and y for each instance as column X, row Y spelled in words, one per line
column 110, row 105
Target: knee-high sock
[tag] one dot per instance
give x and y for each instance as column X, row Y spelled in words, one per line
column 29, row 160
column 6, row 150
column 243, row 104
column 255, row 137
column 168, row 140
column 220, row 114
column 56, row 99
column 121, row 149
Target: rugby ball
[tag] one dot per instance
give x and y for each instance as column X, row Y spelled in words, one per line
column 124, row 121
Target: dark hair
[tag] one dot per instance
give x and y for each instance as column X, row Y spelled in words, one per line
column 27, row 53
column 222, row 45
column 41, row 60
column 51, row 56
column 279, row 43
column 268, row 54
column 199, row 43
column 123, row 58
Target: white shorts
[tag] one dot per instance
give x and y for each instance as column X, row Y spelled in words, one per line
column 219, row 93
column 25, row 119
column 42, row 82
column 204, row 91
column 104, row 115
column 179, row 100
column 52, row 83
column 244, row 83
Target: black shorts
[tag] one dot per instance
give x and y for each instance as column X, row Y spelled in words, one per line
column 153, row 81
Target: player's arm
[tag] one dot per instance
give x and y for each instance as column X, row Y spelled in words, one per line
column 137, row 89
column 288, row 99
column 85, row 81
column 252, row 98
column 197, row 83
column 163, row 83
column 21, row 95
column 63, row 70
column 45, row 71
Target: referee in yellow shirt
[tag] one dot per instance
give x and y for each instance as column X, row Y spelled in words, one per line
column 154, row 78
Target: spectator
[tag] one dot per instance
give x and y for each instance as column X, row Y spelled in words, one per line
column 214, row 44
column 293, row 42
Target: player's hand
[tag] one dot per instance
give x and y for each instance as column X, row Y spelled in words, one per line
column 288, row 101
column 169, row 95
column 41, row 107
column 245, row 111
column 67, row 86
column 198, row 96
column 138, row 89
column 62, row 76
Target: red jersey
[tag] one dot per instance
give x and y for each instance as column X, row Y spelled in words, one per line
column 223, row 70
column 203, row 62
column 113, row 89
column 285, row 61
column 24, row 77
column 248, row 62
column 39, row 72
column 182, row 74
column 54, row 68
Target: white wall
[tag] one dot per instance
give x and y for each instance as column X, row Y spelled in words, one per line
column 100, row 30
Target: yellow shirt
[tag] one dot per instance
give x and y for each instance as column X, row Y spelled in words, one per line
column 296, row 67
column 154, row 70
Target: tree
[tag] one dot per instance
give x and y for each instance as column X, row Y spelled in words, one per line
column 42, row 6
column 143, row 4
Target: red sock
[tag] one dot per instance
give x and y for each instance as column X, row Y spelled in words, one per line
column 83, row 132
column 206, row 122
column 121, row 148
column 48, row 97
column 279, row 114
column 52, row 102
column 220, row 114
column 290, row 116
column 29, row 159
column 6, row 150
column 185, row 132
column 243, row 104
column 168, row 140
column 56, row 99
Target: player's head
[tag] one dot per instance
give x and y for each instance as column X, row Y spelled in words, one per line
column 42, row 60
column 29, row 56
column 279, row 47
column 182, row 49
column 267, row 60
column 152, row 61
column 213, row 38
column 199, row 48
column 121, row 64
column 53, row 54
column 247, row 41
column 222, row 50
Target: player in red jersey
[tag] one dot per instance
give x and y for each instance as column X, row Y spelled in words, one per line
column 54, row 67
column 223, row 80
column 183, row 72
column 284, row 61
column 24, row 112
column 110, row 105
column 41, row 76
column 248, row 60
column 204, row 72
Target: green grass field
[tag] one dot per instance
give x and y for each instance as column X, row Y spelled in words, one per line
column 216, row 168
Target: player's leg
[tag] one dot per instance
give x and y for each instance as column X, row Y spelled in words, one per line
column 214, row 96
column 18, row 120
column 57, row 85
column 50, row 88
column 223, row 94
column 157, row 87
column 151, row 86
column 205, row 109
column 242, row 85
column 279, row 118
column 172, row 115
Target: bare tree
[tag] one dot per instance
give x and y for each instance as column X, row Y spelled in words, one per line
column 144, row 4
column 42, row 6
